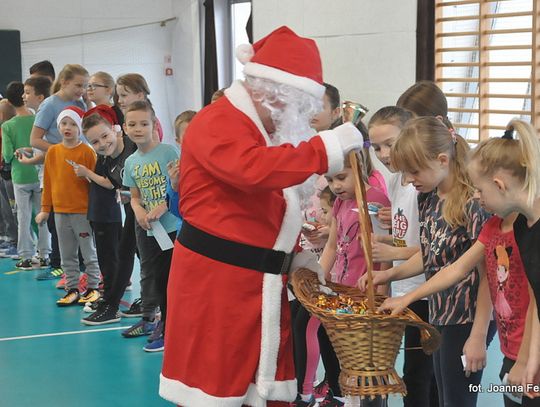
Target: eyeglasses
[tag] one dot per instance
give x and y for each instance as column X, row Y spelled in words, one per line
column 93, row 86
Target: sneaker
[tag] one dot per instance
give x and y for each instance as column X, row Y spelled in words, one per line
column 61, row 285
column 155, row 346
column 134, row 311
column 24, row 264
column 90, row 295
column 83, row 282
column 42, row 263
column 70, row 298
column 105, row 314
column 158, row 331
column 91, row 307
column 321, row 390
column 300, row 403
column 50, row 274
column 331, row 401
column 141, row 328
column 5, row 244
column 10, row 253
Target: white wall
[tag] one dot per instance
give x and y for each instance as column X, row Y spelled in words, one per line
column 140, row 49
column 368, row 47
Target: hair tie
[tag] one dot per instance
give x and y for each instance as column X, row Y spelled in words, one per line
column 367, row 144
column 453, row 134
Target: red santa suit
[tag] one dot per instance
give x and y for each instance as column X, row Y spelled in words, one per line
column 228, row 339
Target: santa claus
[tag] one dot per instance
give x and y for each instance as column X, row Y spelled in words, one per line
column 228, row 340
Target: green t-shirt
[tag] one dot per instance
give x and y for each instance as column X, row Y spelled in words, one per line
column 16, row 134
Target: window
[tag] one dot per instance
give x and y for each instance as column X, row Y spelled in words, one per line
column 485, row 63
column 240, row 12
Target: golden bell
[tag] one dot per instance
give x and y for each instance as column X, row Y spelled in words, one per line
column 353, row 112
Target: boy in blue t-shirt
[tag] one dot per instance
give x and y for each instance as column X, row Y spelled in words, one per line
column 145, row 173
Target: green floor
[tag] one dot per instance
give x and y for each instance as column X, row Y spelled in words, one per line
column 79, row 366
column 90, row 367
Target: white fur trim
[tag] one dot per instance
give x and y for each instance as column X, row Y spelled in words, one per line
column 291, row 224
column 277, row 75
column 334, row 153
column 244, row 53
column 179, row 393
column 73, row 115
column 270, row 332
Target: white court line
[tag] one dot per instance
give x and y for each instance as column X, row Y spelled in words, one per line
column 88, row 331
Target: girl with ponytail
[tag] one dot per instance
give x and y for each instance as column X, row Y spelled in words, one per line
column 431, row 157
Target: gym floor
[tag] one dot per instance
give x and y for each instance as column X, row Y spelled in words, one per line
column 49, row 359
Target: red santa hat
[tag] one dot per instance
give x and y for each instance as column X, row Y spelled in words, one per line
column 107, row 113
column 74, row 113
column 284, row 57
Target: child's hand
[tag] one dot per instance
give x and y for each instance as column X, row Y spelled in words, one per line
column 516, row 373
column 379, row 277
column 140, row 215
column 475, row 355
column 531, row 375
column 174, row 174
column 384, row 215
column 317, row 236
column 41, row 218
column 156, row 213
column 381, row 252
column 395, row 304
column 81, row 170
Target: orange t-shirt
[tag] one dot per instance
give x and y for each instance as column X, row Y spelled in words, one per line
column 62, row 189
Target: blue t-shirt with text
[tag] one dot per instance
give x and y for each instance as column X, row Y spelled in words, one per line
column 148, row 173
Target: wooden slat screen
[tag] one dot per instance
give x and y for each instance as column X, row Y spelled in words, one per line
column 486, row 57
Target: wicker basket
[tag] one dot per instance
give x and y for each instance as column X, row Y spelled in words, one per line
column 365, row 344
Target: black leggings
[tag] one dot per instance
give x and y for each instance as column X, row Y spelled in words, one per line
column 452, row 385
column 418, row 367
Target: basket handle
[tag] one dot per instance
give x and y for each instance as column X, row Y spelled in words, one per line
column 430, row 338
column 365, row 224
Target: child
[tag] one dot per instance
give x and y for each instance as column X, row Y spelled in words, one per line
column 146, row 175
column 68, row 194
column 43, row 69
column 343, row 258
column 384, row 128
column 432, row 159
column 130, row 88
column 68, row 90
column 113, row 243
column 36, row 90
column 180, row 125
column 16, row 136
column 313, row 238
column 509, row 170
column 306, row 328
column 8, row 246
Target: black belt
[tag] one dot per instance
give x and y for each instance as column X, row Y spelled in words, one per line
column 233, row 253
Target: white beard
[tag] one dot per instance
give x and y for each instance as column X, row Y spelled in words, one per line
column 291, row 119
column 292, row 127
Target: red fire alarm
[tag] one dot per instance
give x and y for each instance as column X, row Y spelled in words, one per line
column 168, row 71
